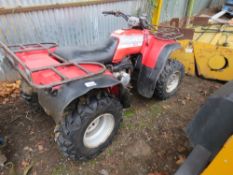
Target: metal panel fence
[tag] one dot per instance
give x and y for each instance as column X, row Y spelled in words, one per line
column 77, row 25
column 67, row 26
column 83, row 25
column 200, row 5
column 178, row 8
column 173, row 9
column 23, row 3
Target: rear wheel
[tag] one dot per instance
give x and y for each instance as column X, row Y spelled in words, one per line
column 90, row 128
column 169, row 80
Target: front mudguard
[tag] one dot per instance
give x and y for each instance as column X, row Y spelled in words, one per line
column 54, row 104
column 149, row 76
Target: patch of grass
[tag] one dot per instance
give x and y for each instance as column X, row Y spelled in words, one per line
column 109, row 152
column 143, row 125
column 129, row 113
column 122, row 125
column 130, row 126
column 147, row 119
column 155, row 109
column 149, row 116
column 127, row 125
column 93, row 162
column 60, row 170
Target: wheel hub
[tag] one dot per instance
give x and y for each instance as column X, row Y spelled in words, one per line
column 99, row 130
column 92, row 126
column 173, row 82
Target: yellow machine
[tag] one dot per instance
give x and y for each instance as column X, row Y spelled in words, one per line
column 223, row 162
column 211, row 136
column 156, row 12
column 209, row 54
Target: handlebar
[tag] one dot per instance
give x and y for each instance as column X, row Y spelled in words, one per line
column 160, row 32
column 117, row 14
column 108, row 12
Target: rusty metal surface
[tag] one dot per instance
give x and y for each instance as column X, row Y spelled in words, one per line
column 187, row 33
column 201, row 21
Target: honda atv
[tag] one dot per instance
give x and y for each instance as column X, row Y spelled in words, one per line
column 86, row 89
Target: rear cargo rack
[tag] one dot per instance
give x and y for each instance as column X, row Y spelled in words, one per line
column 26, row 72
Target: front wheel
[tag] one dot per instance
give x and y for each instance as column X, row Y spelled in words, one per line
column 169, row 80
column 89, row 128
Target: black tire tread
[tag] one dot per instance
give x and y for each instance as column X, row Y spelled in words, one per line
column 62, row 131
column 170, row 67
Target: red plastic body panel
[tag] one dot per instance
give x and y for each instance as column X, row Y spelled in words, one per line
column 132, row 41
column 46, row 77
column 37, row 59
column 152, row 48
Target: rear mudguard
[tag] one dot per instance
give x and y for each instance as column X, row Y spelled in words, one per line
column 55, row 104
column 149, row 75
column 213, row 124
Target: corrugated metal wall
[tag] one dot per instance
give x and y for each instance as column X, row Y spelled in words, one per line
column 178, row 8
column 77, row 25
column 217, row 2
column 68, row 26
column 173, row 9
column 23, row 3
column 200, row 5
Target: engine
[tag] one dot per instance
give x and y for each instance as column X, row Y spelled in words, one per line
column 123, row 77
column 123, row 71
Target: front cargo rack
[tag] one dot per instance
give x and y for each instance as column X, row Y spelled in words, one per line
column 27, row 72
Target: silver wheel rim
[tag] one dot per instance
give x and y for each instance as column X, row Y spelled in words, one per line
column 173, row 82
column 99, row 130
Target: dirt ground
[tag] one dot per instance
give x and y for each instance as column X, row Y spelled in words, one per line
column 151, row 138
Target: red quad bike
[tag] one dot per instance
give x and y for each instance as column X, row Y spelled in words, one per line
column 86, row 89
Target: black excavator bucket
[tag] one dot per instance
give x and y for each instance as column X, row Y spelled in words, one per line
column 209, row 130
column 213, row 124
